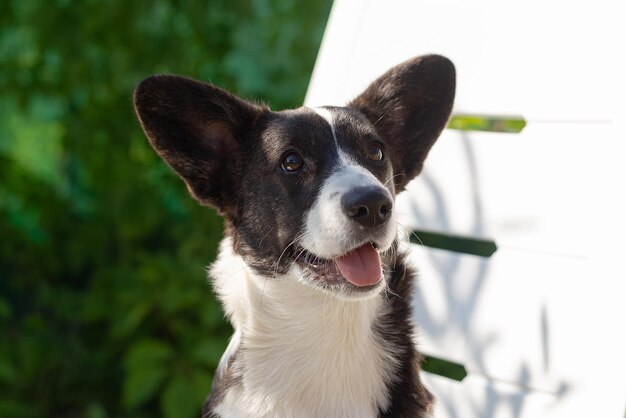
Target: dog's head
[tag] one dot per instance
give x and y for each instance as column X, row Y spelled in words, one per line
column 309, row 192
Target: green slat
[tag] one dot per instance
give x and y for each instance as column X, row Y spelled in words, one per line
column 456, row 243
column 508, row 124
column 445, row 368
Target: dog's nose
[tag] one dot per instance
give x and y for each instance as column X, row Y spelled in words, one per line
column 369, row 206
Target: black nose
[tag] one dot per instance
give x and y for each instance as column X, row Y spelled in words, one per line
column 369, row 206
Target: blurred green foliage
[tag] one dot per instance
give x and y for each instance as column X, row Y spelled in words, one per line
column 105, row 310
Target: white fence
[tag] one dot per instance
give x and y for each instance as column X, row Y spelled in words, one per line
column 539, row 325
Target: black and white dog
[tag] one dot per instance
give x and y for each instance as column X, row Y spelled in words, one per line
column 309, row 271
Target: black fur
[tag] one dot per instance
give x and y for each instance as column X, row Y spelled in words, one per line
column 409, row 397
column 271, row 203
column 200, row 131
column 409, row 106
column 220, row 386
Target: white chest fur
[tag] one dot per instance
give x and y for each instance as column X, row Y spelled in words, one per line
column 303, row 353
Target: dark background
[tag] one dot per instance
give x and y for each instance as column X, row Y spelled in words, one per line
column 105, row 309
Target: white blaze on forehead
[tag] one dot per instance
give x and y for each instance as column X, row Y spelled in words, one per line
column 327, row 115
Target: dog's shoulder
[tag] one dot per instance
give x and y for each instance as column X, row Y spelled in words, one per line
column 226, row 377
column 408, row 396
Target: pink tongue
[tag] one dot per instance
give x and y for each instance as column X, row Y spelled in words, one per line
column 361, row 267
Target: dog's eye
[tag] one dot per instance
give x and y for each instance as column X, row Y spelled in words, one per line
column 375, row 153
column 292, row 162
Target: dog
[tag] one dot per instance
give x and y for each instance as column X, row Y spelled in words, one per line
column 310, row 272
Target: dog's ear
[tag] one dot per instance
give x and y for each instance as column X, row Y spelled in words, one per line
column 409, row 106
column 198, row 129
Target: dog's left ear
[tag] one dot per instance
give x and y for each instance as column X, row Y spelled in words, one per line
column 409, row 106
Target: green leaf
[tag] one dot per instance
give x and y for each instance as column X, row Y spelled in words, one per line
column 7, row 371
column 34, row 141
column 142, row 384
column 209, row 351
column 95, row 410
column 128, row 325
column 15, row 408
column 147, row 353
column 5, row 309
column 178, row 400
column 456, row 243
column 201, row 385
column 445, row 368
column 508, row 124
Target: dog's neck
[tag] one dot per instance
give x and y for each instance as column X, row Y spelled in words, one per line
column 298, row 350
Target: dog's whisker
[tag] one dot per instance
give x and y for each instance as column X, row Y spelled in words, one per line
column 299, row 236
column 391, row 292
column 391, row 178
column 265, row 236
column 381, row 118
column 294, row 241
column 407, row 233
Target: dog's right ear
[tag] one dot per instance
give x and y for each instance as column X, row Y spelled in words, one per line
column 198, row 129
column 409, row 106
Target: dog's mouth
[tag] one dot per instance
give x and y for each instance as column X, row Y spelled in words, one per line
column 359, row 269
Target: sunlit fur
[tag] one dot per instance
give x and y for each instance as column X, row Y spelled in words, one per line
column 301, row 353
